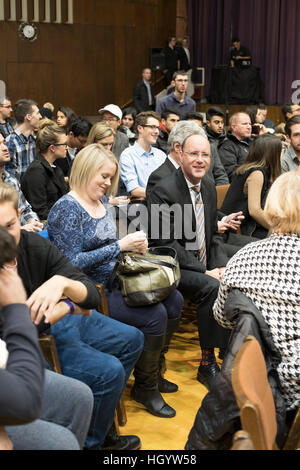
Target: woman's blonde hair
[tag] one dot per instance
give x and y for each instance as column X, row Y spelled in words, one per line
column 282, row 209
column 87, row 162
column 99, row 131
column 48, row 134
column 9, row 194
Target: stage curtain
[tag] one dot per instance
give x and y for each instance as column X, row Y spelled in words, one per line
column 267, row 27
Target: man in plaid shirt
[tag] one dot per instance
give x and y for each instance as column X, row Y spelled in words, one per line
column 6, row 123
column 29, row 219
column 21, row 142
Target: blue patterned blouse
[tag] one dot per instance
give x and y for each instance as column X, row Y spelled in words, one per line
column 89, row 243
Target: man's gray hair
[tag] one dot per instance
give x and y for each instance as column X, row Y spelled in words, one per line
column 182, row 131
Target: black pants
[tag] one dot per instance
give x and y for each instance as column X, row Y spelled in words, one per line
column 203, row 290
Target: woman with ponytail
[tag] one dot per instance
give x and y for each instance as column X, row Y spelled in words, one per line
column 43, row 183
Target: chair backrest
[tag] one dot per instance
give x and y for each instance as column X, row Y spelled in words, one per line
column 254, row 396
column 221, row 193
column 293, row 439
column 242, row 441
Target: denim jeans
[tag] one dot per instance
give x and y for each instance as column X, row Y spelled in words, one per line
column 101, row 352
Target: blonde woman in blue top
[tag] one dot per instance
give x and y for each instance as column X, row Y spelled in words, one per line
column 81, row 225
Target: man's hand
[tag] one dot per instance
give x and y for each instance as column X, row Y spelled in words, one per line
column 43, row 300
column 11, row 288
column 231, row 222
column 33, row 226
column 62, row 309
column 217, row 273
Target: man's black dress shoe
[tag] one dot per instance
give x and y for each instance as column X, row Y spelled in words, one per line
column 114, row 441
column 207, row 374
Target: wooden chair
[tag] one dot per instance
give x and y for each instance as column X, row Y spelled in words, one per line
column 49, row 350
column 292, row 441
column 221, row 193
column 103, row 308
column 254, row 395
column 48, row 347
column 242, row 441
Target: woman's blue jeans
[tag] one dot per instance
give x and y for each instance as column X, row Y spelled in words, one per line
column 101, row 352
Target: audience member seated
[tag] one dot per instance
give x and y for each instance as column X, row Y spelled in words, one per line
column 192, row 231
column 195, row 116
column 289, row 110
column 139, row 161
column 268, row 273
column 227, row 225
column 7, row 124
column 168, row 121
column 102, row 133
column 49, row 106
column 143, row 94
column 81, row 225
column 112, row 116
column 251, row 183
column 216, row 170
column 214, row 126
column 64, row 117
column 256, row 121
column 77, row 135
column 291, row 157
column 21, row 142
column 43, row 182
column 263, row 112
column 235, row 147
column 29, row 219
column 178, row 99
column 128, row 122
column 58, row 408
column 92, row 348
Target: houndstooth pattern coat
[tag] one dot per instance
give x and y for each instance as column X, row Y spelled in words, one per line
column 268, row 272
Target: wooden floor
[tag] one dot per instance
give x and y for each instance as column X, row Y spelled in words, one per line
column 182, row 364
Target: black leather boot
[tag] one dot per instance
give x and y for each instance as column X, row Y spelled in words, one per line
column 145, row 389
column 164, row 385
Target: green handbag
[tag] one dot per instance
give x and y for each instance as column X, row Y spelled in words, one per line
column 148, row 278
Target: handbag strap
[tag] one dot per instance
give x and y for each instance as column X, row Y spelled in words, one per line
column 158, row 262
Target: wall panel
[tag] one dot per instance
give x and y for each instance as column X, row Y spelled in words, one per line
column 90, row 63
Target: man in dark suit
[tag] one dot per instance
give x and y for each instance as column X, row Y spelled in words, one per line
column 143, row 95
column 179, row 219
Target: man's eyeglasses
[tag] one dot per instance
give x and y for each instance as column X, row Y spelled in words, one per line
column 7, row 107
column 60, row 145
column 152, row 127
column 197, row 154
column 109, row 119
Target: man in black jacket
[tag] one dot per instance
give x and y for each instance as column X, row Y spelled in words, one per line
column 234, row 149
column 37, row 405
column 178, row 219
column 92, row 348
column 143, row 95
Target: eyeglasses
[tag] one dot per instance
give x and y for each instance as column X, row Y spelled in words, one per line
column 198, row 154
column 152, row 127
column 7, row 107
column 109, row 119
column 60, row 145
